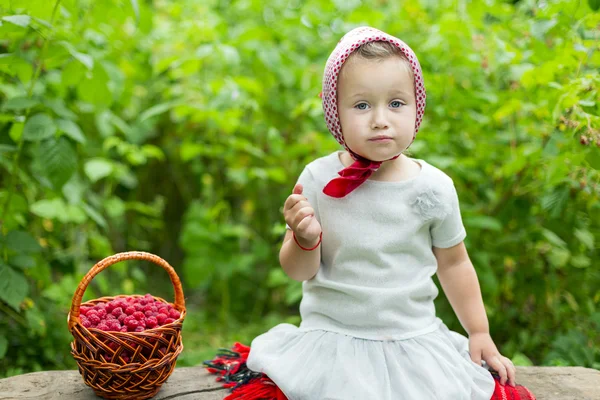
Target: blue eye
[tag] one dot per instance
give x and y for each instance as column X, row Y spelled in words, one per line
column 396, row 104
column 361, row 106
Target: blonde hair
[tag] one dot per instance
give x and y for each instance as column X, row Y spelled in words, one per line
column 381, row 50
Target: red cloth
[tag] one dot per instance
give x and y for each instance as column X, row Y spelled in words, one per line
column 507, row 392
column 351, row 178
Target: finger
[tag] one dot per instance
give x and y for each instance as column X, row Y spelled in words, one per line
column 301, row 221
column 292, row 201
column 512, row 371
column 497, row 365
column 297, row 189
column 304, row 223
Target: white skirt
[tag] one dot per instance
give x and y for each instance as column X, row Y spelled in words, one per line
column 324, row 365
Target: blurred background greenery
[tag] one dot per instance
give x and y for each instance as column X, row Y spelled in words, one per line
column 179, row 127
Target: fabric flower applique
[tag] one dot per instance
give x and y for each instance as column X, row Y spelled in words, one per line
column 429, row 204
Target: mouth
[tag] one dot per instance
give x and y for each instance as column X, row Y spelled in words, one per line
column 380, row 138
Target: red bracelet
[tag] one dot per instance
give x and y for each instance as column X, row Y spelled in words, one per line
column 304, row 248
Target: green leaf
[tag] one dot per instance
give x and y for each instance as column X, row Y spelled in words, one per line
column 59, row 108
column 16, row 131
column 94, row 90
column 158, row 109
column 594, row 4
column 20, row 103
column 553, row 238
column 85, row 59
column 73, row 214
column 94, row 215
column 39, row 127
column 98, row 168
column 71, row 129
column 22, row 261
column 22, row 242
column 483, row 222
column 593, row 158
column 72, row 74
column 3, row 346
column 585, row 237
column 49, row 209
column 581, row 261
column 20, row 20
column 136, row 10
column 13, row 286
column 59, row 160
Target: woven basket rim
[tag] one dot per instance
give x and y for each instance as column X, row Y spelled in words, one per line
column 74, row 313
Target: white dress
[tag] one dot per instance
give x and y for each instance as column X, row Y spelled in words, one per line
column 369, row 329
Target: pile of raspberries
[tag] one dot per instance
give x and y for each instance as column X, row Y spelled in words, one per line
column 129, row 314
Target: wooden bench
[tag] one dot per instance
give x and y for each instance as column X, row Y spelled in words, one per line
column 194, row 383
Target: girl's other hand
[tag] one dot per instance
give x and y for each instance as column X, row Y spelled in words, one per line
column 300, row 216
column 482, row 347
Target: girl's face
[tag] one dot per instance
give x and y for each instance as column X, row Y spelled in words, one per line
column 376, row 106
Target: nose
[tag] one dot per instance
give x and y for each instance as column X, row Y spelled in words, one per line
column 379, row 120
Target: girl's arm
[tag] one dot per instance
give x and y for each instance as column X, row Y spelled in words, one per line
column 461, row 286
column 299, row 264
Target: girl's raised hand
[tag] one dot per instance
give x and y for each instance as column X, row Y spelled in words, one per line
column 300, row 216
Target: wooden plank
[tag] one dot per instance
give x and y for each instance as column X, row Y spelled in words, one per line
column 194, row 383
column 184, row 384
column 561, row 383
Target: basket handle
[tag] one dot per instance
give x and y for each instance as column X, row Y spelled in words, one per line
column 73, row 317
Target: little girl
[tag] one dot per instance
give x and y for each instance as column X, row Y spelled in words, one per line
column 367, row 229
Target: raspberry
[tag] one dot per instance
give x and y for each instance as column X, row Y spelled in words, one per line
column 123, row 329
column 122, row 318
column 94, row 319
column 130, row 310
column 138, row 307
column 169, row 321
column 100, row 306
column 102, row 326
column 138, row 315
column 84, row 310
column 86, row 323
column 164, row 310
column 102, row 313
column 139, row 329
column 92, row 312
column 110, row 306
column 142, row 322
column 161, row 318
column 117, row 311
column 110, row 317
column 174, row 314
column 151, row 322
column 149, row 313
column 114, row 325
column 132, row 324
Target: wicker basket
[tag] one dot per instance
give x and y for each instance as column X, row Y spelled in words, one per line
column 153, row 352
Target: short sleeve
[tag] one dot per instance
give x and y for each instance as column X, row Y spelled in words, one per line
column 309, row 190
column 448, row 230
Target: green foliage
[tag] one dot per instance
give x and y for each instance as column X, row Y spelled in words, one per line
column 180, row 128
